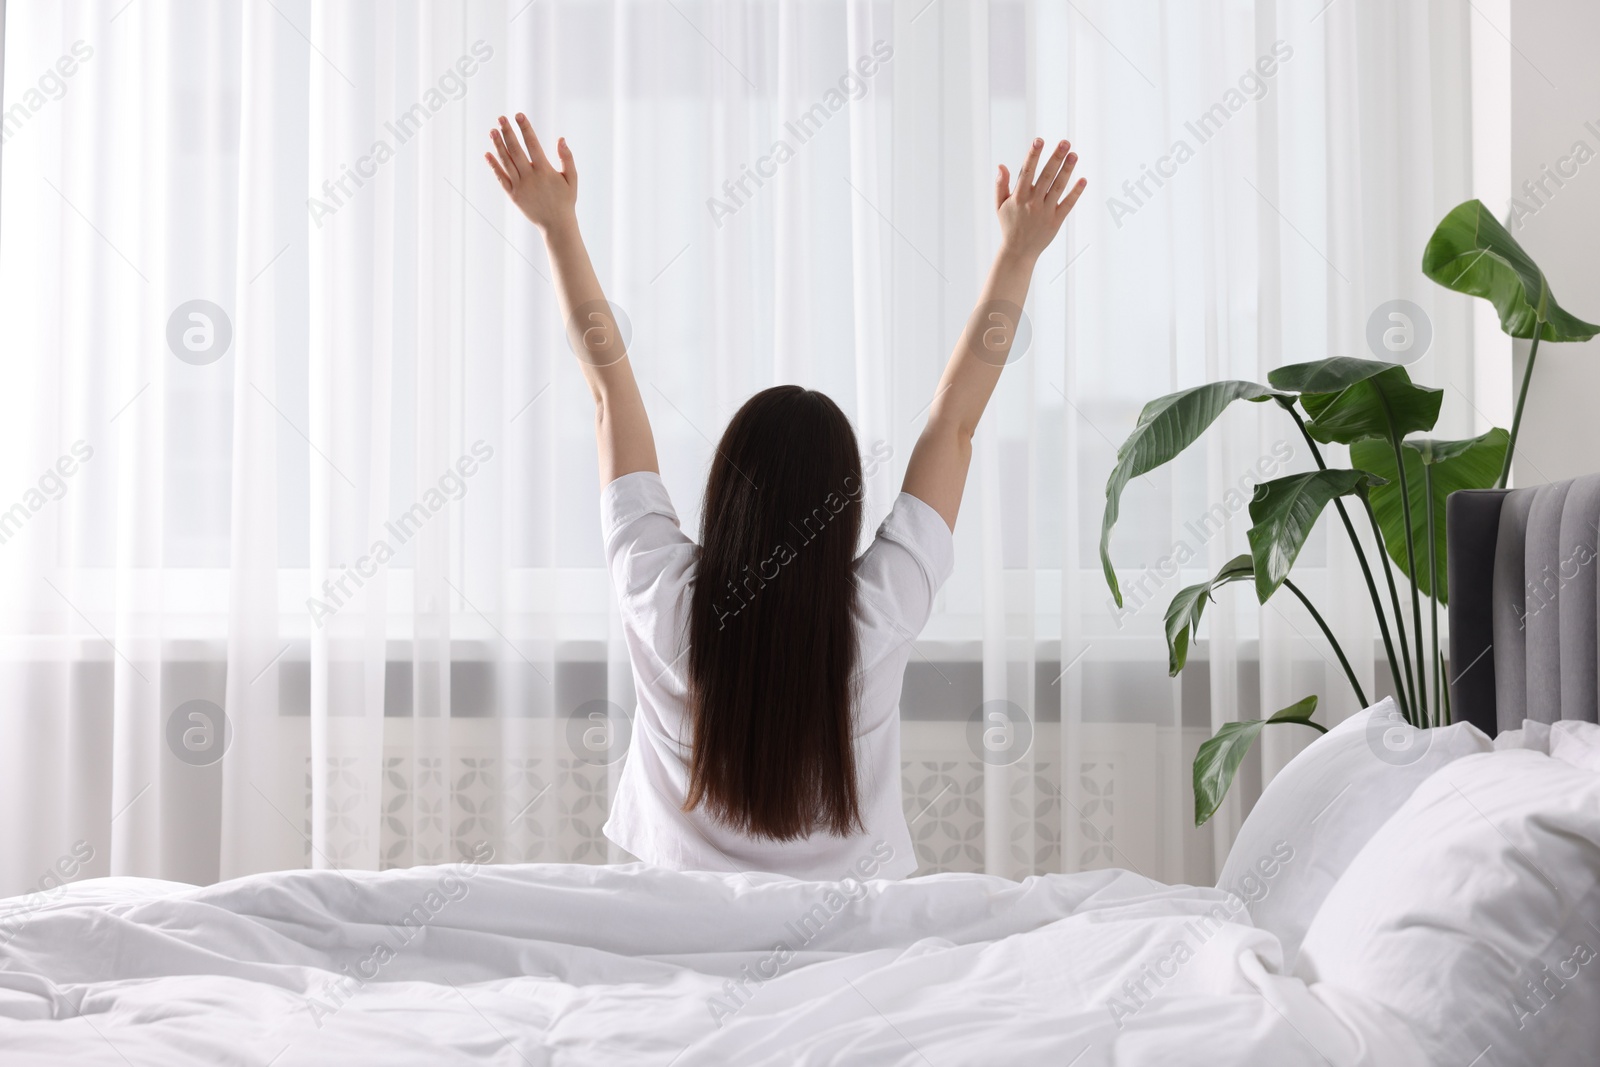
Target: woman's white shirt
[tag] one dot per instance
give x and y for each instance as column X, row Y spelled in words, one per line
column 652, row 565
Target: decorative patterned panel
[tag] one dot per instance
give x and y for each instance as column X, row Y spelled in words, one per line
column 944, row 806
column 546, row 810
column 512, row 804
column 1035, row 822
column 1096, row 819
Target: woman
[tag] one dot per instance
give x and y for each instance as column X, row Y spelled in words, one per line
column 768, row 658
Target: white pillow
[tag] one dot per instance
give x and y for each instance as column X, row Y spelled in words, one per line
column 1323, row 807
column 1530, row 735
column 1577, row 743
column 1569, row 741
column 1475, row 914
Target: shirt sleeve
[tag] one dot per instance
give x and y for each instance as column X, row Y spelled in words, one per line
column 909, row 560
column 649, row 557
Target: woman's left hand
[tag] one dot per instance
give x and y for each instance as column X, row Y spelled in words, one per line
column 541, row 192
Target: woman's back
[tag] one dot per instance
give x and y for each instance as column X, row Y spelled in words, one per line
column 654, row 569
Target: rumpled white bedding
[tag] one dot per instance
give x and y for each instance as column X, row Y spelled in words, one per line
column 557, row 964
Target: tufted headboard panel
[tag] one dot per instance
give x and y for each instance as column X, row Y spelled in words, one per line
column 1524, row 609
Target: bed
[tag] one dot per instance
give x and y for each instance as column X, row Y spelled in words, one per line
column 572, row 964
column 1395, row 898
column 1523, row 634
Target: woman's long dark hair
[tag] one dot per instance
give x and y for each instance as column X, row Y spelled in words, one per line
column 772, row 643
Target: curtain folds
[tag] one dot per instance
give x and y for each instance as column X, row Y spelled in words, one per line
column 299, row 559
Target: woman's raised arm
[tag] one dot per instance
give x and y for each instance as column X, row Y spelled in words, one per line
column 1030, row 215
column 547, row 197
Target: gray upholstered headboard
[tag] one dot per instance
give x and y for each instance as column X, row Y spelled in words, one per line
column 1524, row 613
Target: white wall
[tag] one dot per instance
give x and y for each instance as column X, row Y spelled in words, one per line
column 1555, row 106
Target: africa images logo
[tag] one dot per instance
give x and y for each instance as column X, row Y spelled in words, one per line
column 451, row 85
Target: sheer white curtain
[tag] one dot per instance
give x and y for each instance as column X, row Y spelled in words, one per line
column 300, row 560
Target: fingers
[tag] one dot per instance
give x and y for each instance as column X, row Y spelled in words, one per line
column 1002, row 186
column 535, row 150
column 1072, row 197
column 1051, row 171
column 499, row 172
column 569, row 166
column 504, row 152
column 1025, row 172
column 1062, row 179
column 514, row 146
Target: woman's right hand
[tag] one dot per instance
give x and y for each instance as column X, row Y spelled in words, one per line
column 540, row 191
column 1031, row 214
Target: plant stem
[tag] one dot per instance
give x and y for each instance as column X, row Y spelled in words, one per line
column 1516, row 418
column 1366, row 572
column 1433, row 595
column 1408, row 684
column 1411, row 561
column 1334, row 641
column 1377, row 607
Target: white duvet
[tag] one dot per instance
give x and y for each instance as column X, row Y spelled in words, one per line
column 553, row 964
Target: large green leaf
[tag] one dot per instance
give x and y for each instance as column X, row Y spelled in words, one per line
column 1183, row 614
column 1326, row 375
column 1374, row 406
column 1470, row 464
column 1166, row 427
column 1217, row 762
column 1282, row 514
column 1472, row 253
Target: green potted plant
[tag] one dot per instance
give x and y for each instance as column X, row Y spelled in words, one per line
column 1396, row 484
